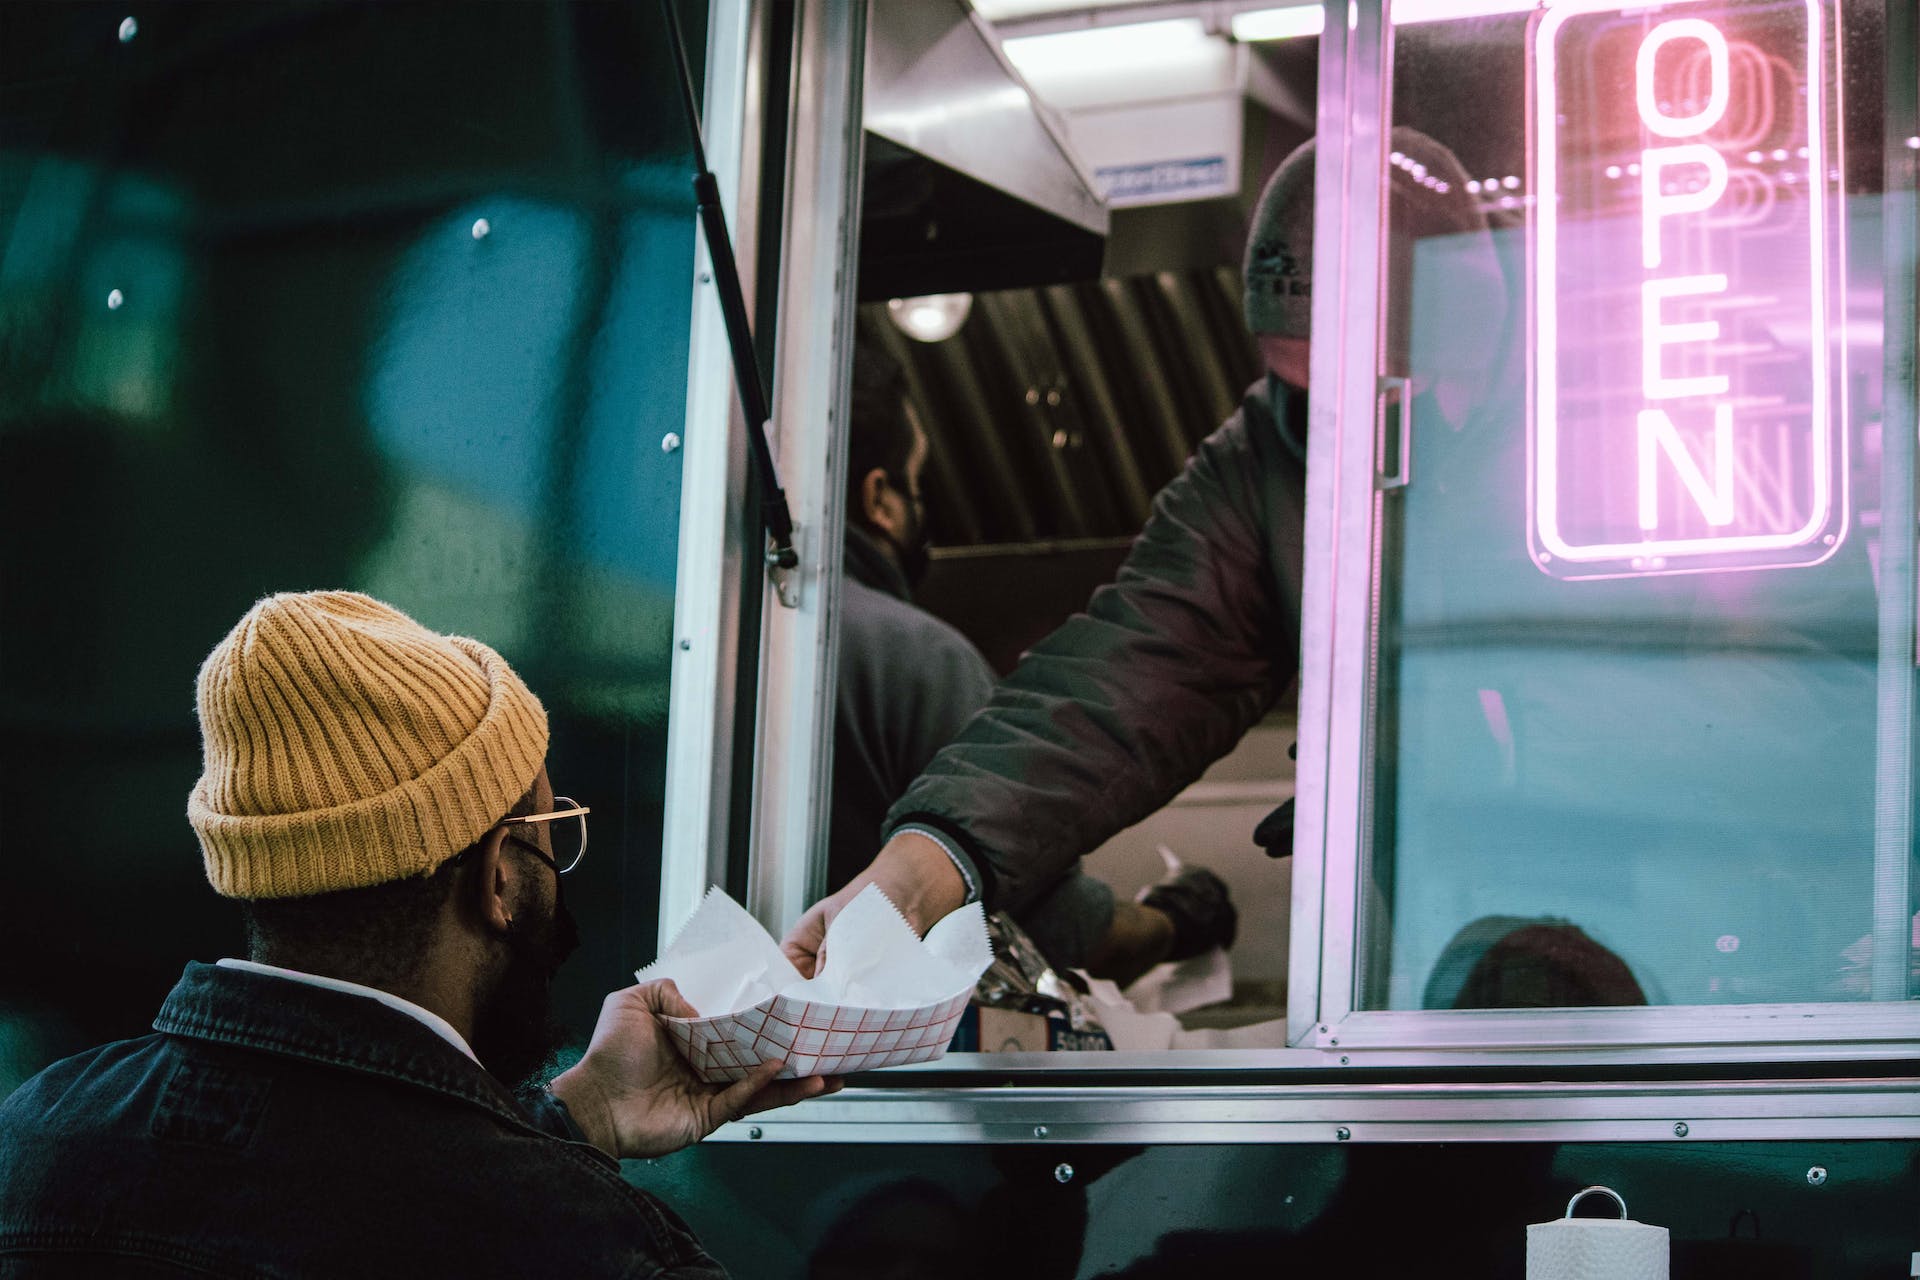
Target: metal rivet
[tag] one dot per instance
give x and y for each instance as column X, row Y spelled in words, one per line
column 686, row 644
column 1323, row 1028
column 1343, row 1133
column 706, row 277
column 754, row 1133
column 1053, row 397
column 1033, row 395
column 1680, row 1129
column 1039, row 1131
column 115, row 300
column 1343, row 1059
column 1817, row 1176
column 670, row 442
column 1334, row 1043
column 1063, row 1173
column 129, row 28
column 482, row 228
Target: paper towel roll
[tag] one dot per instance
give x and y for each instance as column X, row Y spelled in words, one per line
column 1596, row 1249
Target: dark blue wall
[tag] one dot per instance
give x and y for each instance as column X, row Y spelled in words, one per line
column 314, row 374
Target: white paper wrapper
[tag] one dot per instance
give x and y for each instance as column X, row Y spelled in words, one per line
column 1129, row 1028
column 882, row 996
column 1181, row 985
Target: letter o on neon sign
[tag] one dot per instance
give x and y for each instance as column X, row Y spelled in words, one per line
column 1683, row 126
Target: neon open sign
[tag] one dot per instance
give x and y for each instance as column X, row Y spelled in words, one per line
column 1686, row 405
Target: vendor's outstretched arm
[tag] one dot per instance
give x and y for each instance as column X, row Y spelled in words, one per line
column 1110, row 716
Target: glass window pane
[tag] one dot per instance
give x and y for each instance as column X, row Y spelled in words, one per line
column 1630, row 655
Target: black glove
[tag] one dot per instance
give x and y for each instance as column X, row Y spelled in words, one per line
column 1197, row 902
column 1275, row 832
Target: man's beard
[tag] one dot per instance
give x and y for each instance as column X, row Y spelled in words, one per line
column 912, row 551
column 516, row 1034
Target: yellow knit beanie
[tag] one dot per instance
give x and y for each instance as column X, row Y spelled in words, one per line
column 345, row 745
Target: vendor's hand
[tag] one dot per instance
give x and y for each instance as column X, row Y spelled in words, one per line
column 634, row 1096
column 808, row 937
column 916, row 875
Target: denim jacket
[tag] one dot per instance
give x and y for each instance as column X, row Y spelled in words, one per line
column 276, row 1129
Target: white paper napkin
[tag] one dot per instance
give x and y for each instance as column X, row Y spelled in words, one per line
column 882, row 997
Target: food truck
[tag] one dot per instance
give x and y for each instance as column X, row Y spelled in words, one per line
column 1600, row 758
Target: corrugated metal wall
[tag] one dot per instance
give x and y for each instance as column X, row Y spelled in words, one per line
column 1057, row 413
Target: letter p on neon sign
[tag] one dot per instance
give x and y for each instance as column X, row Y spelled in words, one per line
column 1686, row 411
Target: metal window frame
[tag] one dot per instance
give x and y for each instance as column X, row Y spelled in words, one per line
column 1894, row 731
column 713, row 487
column 812, row 371
column 1331, row 770
column 1739, row 1109
column 797, row 640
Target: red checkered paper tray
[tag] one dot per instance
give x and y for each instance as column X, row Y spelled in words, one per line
column 882, row 996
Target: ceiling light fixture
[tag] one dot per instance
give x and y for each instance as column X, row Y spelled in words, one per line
column 934, row 317
column 1278, row 24
column 1105, row 50
column 1408, row 12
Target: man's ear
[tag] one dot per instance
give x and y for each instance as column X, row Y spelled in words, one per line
column 873, row 494
column 489, row 892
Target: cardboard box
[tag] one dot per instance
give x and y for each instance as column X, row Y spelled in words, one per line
column 984, row 1029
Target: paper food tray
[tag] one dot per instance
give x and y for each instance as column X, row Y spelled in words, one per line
column 883, row 997
column 815, row 1039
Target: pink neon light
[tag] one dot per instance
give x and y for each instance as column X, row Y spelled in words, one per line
column 1494, row 708
column 1656, row 334
column 1682, row 126
column 1660, row 205
column 1658, row 435
column 1658, row 443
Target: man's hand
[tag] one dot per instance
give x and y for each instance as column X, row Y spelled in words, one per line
column 916, row 875
column 634, row 1096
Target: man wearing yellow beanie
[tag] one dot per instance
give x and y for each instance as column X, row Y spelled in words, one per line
column 376, row 797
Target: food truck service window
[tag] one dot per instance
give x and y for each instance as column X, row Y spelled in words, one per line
column 1638, row 726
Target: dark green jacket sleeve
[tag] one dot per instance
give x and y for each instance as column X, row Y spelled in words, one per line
column 1107, row 719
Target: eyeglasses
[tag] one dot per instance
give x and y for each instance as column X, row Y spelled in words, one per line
column 566, row 831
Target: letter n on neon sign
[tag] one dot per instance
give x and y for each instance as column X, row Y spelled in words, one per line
column 1658, row 436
